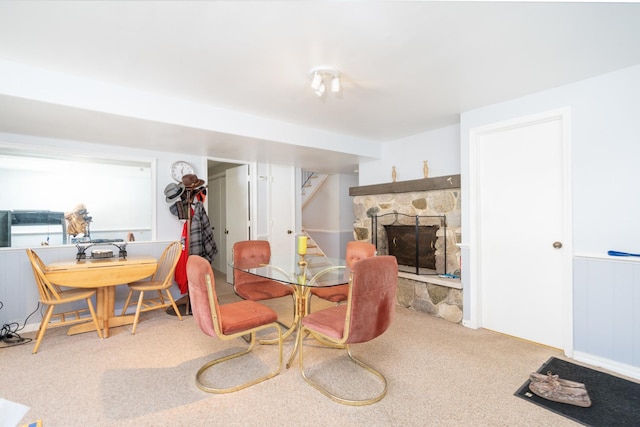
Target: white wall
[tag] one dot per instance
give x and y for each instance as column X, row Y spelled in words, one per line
column 605, row 149
column 440, row 148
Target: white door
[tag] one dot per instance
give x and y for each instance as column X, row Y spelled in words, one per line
column 522, row 241
column 217, row 217
column 238, row 225
column 282, row 207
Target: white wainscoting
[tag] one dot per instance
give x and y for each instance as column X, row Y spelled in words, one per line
column 606, row 295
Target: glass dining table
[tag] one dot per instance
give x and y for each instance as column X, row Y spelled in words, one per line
column 302, row 274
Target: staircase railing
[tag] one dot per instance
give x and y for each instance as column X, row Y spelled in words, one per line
column 306, row 176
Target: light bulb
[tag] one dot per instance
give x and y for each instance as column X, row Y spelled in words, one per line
column 320, row 90
column 316, row 82
column 335, row 84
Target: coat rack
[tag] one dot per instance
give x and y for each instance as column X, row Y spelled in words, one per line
column 193, row 186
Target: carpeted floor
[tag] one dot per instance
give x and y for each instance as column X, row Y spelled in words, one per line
column 439, row 374
column 614, row 401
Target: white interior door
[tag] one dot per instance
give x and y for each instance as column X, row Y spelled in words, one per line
column 521, row 220
column 217, row 216
column 237, row 212
column 282, row 208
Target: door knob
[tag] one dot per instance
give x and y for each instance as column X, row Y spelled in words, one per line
column 289, row 231
column 226, row 231
column 557, row 245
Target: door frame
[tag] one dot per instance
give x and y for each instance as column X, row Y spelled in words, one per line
column 475, row 264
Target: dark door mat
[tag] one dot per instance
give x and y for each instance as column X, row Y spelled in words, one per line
column 614, row 401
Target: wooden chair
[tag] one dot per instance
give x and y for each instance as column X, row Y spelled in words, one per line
column 160, row 282
column 337, row 294
column 54, row 296
column 227, row 321
column 368, row 313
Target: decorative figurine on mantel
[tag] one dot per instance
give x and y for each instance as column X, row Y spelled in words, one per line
column 425, row 169
column 393, row 174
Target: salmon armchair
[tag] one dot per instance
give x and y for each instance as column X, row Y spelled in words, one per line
column 227, row 322
column 337, row 294
column 251, row 254
column 368, row 313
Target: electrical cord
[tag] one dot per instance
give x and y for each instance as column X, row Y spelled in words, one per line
column 9, row 331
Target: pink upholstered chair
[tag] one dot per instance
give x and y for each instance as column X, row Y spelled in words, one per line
column 227, row 321
column 250, row 254
column 369, row 311
column 337, row 294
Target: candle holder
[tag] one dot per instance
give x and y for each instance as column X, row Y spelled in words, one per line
column 302, row 275
column 302, row 262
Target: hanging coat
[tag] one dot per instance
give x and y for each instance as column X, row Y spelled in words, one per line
column 201, row 240
column 180, row 274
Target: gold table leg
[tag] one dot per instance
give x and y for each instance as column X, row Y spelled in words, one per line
column 301, row 294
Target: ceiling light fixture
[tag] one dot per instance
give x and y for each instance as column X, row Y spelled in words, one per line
column 323, row 76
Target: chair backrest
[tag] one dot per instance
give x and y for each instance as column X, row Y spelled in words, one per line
column 47, row 290
column 359, row 250
column 249, row 254
column 167, row 263
column 204, row 302
column 372, row 298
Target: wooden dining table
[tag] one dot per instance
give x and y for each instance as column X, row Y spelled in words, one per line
column 103, row 275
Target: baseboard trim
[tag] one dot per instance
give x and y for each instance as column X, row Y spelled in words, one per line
column 608, row 364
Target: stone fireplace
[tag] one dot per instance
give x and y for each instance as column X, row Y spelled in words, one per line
column 394, row 215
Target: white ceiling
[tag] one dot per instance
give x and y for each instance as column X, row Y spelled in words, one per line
column 407, row 67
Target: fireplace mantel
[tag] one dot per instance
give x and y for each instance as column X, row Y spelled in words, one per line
column 425, row 184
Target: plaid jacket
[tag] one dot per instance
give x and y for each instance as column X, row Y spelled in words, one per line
column 201, row 240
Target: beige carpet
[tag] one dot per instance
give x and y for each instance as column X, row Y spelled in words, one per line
column 440, row 374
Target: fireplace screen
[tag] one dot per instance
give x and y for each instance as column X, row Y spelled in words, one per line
column 418, row 242
column 408, row 243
